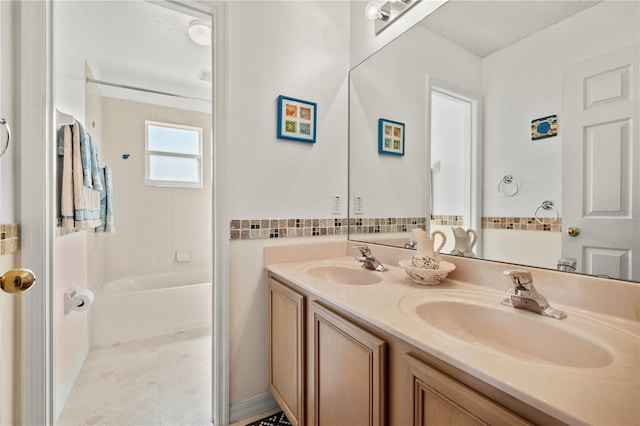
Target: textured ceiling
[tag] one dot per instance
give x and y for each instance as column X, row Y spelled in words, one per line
column 142, row 44
column 483, row 27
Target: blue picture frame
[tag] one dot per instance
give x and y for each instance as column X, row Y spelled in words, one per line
column 297, row 119
column 390, row 137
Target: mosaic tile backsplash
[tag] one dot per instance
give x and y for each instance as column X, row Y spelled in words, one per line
column 452, row 220
column 520, row 223
column 253, row 229
column 9, row 238
column 257, row 229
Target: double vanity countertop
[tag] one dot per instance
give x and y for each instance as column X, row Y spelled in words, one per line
column 583, row 369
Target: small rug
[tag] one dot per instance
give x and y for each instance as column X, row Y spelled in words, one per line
column 277, row 419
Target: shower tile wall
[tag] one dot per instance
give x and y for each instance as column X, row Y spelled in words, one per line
column 152, row 223
column 94, row 123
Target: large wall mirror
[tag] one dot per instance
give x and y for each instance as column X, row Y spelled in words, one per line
column 510, row 126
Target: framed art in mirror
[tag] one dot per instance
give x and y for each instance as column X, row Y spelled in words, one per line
column 390, row 137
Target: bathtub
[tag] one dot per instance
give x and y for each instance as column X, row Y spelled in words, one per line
column 137, row 307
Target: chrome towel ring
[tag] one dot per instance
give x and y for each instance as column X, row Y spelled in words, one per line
column 546, row 205
column 503, row 186
column 4, row 123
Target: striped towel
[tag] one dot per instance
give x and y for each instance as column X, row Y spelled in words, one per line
column 106, row 202
column 66, row 196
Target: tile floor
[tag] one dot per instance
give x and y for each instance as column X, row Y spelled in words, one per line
column 164, row 380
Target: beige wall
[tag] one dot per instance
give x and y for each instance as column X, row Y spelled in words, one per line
column 152, row 222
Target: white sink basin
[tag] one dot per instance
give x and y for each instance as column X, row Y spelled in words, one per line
column 355, row 275
column 479, row 319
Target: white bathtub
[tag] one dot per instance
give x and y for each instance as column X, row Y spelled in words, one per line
column 142, row 306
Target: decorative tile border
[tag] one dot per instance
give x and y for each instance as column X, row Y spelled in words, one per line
column 447, row 220
column 520, row 223
column 254, row 229
column 9, row 238
column 382, row 225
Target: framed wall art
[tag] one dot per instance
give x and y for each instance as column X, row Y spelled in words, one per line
column 296, row 119
column 390, row 137
column 544, row 127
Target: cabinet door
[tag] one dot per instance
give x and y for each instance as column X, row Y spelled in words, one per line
column 349, row 372
column 286, row 350
column 440, row 400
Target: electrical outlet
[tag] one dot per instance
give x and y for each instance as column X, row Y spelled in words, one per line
column 336, row 205
column 358, row 204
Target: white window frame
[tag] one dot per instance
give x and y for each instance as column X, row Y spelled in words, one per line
column 148, row 153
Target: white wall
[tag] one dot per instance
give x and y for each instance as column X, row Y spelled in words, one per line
column 298, row 49
column 71, row 332
column 535, row 80
column 531, row 70
column 393, row 84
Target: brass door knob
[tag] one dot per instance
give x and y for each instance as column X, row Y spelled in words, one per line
column 17, row 281
column 573, row 231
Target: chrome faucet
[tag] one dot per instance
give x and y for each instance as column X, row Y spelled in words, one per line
column 524, row 295
column 368, row 260
column 411, row 244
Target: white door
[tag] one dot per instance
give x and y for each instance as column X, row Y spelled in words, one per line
column 601, row 164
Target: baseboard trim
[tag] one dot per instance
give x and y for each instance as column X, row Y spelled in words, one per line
column 251, row 407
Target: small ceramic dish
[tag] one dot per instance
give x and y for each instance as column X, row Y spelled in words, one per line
column 427, row 276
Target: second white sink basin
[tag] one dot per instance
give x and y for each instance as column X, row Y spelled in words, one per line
column 480, row 320
column 355, row 275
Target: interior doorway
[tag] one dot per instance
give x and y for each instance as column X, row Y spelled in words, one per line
column 455, row 167
column 138, row 355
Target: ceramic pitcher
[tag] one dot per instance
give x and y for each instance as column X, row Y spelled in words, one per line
column 426, row 255
column 464, row 241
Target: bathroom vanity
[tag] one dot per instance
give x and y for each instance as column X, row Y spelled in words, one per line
column 348, row 345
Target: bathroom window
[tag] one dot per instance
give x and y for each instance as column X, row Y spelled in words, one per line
column 173, row 155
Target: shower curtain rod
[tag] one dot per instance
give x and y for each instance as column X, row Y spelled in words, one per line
column 157, row 92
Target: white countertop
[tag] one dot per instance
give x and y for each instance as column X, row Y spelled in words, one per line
column 608, row 395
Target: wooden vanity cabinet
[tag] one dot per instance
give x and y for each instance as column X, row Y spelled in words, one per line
column 349, row 369
column 329, row 367
column 437, row 399
column 287, row 350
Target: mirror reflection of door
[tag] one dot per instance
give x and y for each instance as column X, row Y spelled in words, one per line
column 601, row 163
column 454, row 141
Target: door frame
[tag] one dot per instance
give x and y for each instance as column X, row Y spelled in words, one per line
column 473, row 156
column 37, row 215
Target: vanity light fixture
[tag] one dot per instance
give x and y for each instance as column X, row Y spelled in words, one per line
column 373, row 10
column 384, row 12
column 200, row 32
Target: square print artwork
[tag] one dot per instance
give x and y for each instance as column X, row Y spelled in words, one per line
column 390, row 137
column 544, row 127
column 296, row 119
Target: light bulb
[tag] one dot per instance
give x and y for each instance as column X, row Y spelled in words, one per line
column 373, row 10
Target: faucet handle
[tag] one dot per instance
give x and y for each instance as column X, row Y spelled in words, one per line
column 520, row 277
column 364, row 250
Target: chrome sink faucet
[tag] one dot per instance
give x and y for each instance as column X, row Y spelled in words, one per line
column 368, row 260
column 523, row 295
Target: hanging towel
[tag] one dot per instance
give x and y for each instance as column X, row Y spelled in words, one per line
column 96, row 171
column 89, row 157
column 86, row 201
column 106, row 202
column 66, row 196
